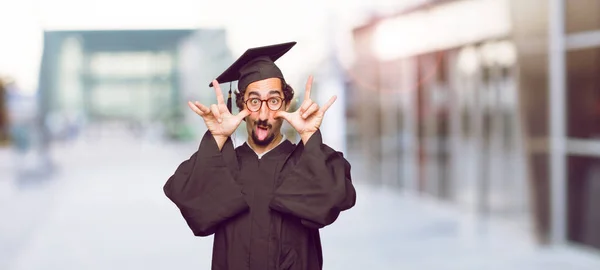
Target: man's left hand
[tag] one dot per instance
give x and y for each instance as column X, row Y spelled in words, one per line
column 307, row 119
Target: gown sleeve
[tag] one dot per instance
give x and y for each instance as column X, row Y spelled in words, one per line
column 318, row 188
column 204, row 187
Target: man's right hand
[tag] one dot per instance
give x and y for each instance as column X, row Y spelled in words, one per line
column 219, row 121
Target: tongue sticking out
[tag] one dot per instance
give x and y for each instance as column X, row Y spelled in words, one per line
column 261, row 133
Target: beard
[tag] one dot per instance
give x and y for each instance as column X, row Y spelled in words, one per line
column 264, row 142
column 267, row 140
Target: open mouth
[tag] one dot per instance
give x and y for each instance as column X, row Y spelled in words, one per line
column 262, row 132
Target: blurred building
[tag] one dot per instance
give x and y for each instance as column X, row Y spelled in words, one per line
column 3, row 115
column 138, row 78
column 461, row 100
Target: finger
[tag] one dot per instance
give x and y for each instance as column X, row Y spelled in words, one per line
column 305, row 105
column 218, row 92
column 243, row 114
column 312, row 109
column 223, row 109
column 308, row 87
column 203, row 108
column 195, row 109
column 215, row 111
column 328, row 104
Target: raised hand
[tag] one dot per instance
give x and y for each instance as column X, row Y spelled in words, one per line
column 219, row 121
column 308, row 118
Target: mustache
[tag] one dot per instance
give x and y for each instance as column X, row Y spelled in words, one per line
column 262, row 123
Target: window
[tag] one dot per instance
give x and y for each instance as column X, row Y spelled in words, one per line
column 583, row 93
column 582, row 15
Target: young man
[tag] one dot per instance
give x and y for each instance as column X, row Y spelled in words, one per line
column 265, row 200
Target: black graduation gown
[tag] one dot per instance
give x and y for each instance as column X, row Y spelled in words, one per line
column 264, row 213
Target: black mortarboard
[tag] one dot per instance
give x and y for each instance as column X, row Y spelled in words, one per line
column 254, row 65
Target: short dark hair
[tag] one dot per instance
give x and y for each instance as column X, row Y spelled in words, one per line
column 288, row 94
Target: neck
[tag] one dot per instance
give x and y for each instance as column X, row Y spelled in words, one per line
column 261, row 149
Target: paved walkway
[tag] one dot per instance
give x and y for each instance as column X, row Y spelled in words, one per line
column 105, row 209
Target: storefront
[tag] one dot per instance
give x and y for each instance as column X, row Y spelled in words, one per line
column 582, row 125
column 463, row 102
column 446, row 88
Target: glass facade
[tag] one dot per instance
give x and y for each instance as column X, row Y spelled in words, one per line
column 472, row 122
column 582, row 15
column 583, row 93
column 582, row 25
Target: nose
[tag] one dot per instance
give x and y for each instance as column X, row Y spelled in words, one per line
column 263, row 113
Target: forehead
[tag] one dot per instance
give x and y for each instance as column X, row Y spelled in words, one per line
column 264, row 87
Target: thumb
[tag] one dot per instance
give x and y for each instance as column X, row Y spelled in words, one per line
column 282, row 114
column 243, row 114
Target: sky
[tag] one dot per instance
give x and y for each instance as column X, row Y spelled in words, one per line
column 249, row 24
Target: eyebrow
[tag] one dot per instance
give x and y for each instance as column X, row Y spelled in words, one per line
column 272, row 92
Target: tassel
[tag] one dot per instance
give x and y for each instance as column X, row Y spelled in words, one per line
column 229, row 99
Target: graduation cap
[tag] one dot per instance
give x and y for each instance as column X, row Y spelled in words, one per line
column 254, row 65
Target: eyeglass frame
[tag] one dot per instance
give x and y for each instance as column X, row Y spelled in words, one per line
column 281, row 100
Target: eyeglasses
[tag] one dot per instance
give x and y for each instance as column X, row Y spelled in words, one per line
column 254, row 104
